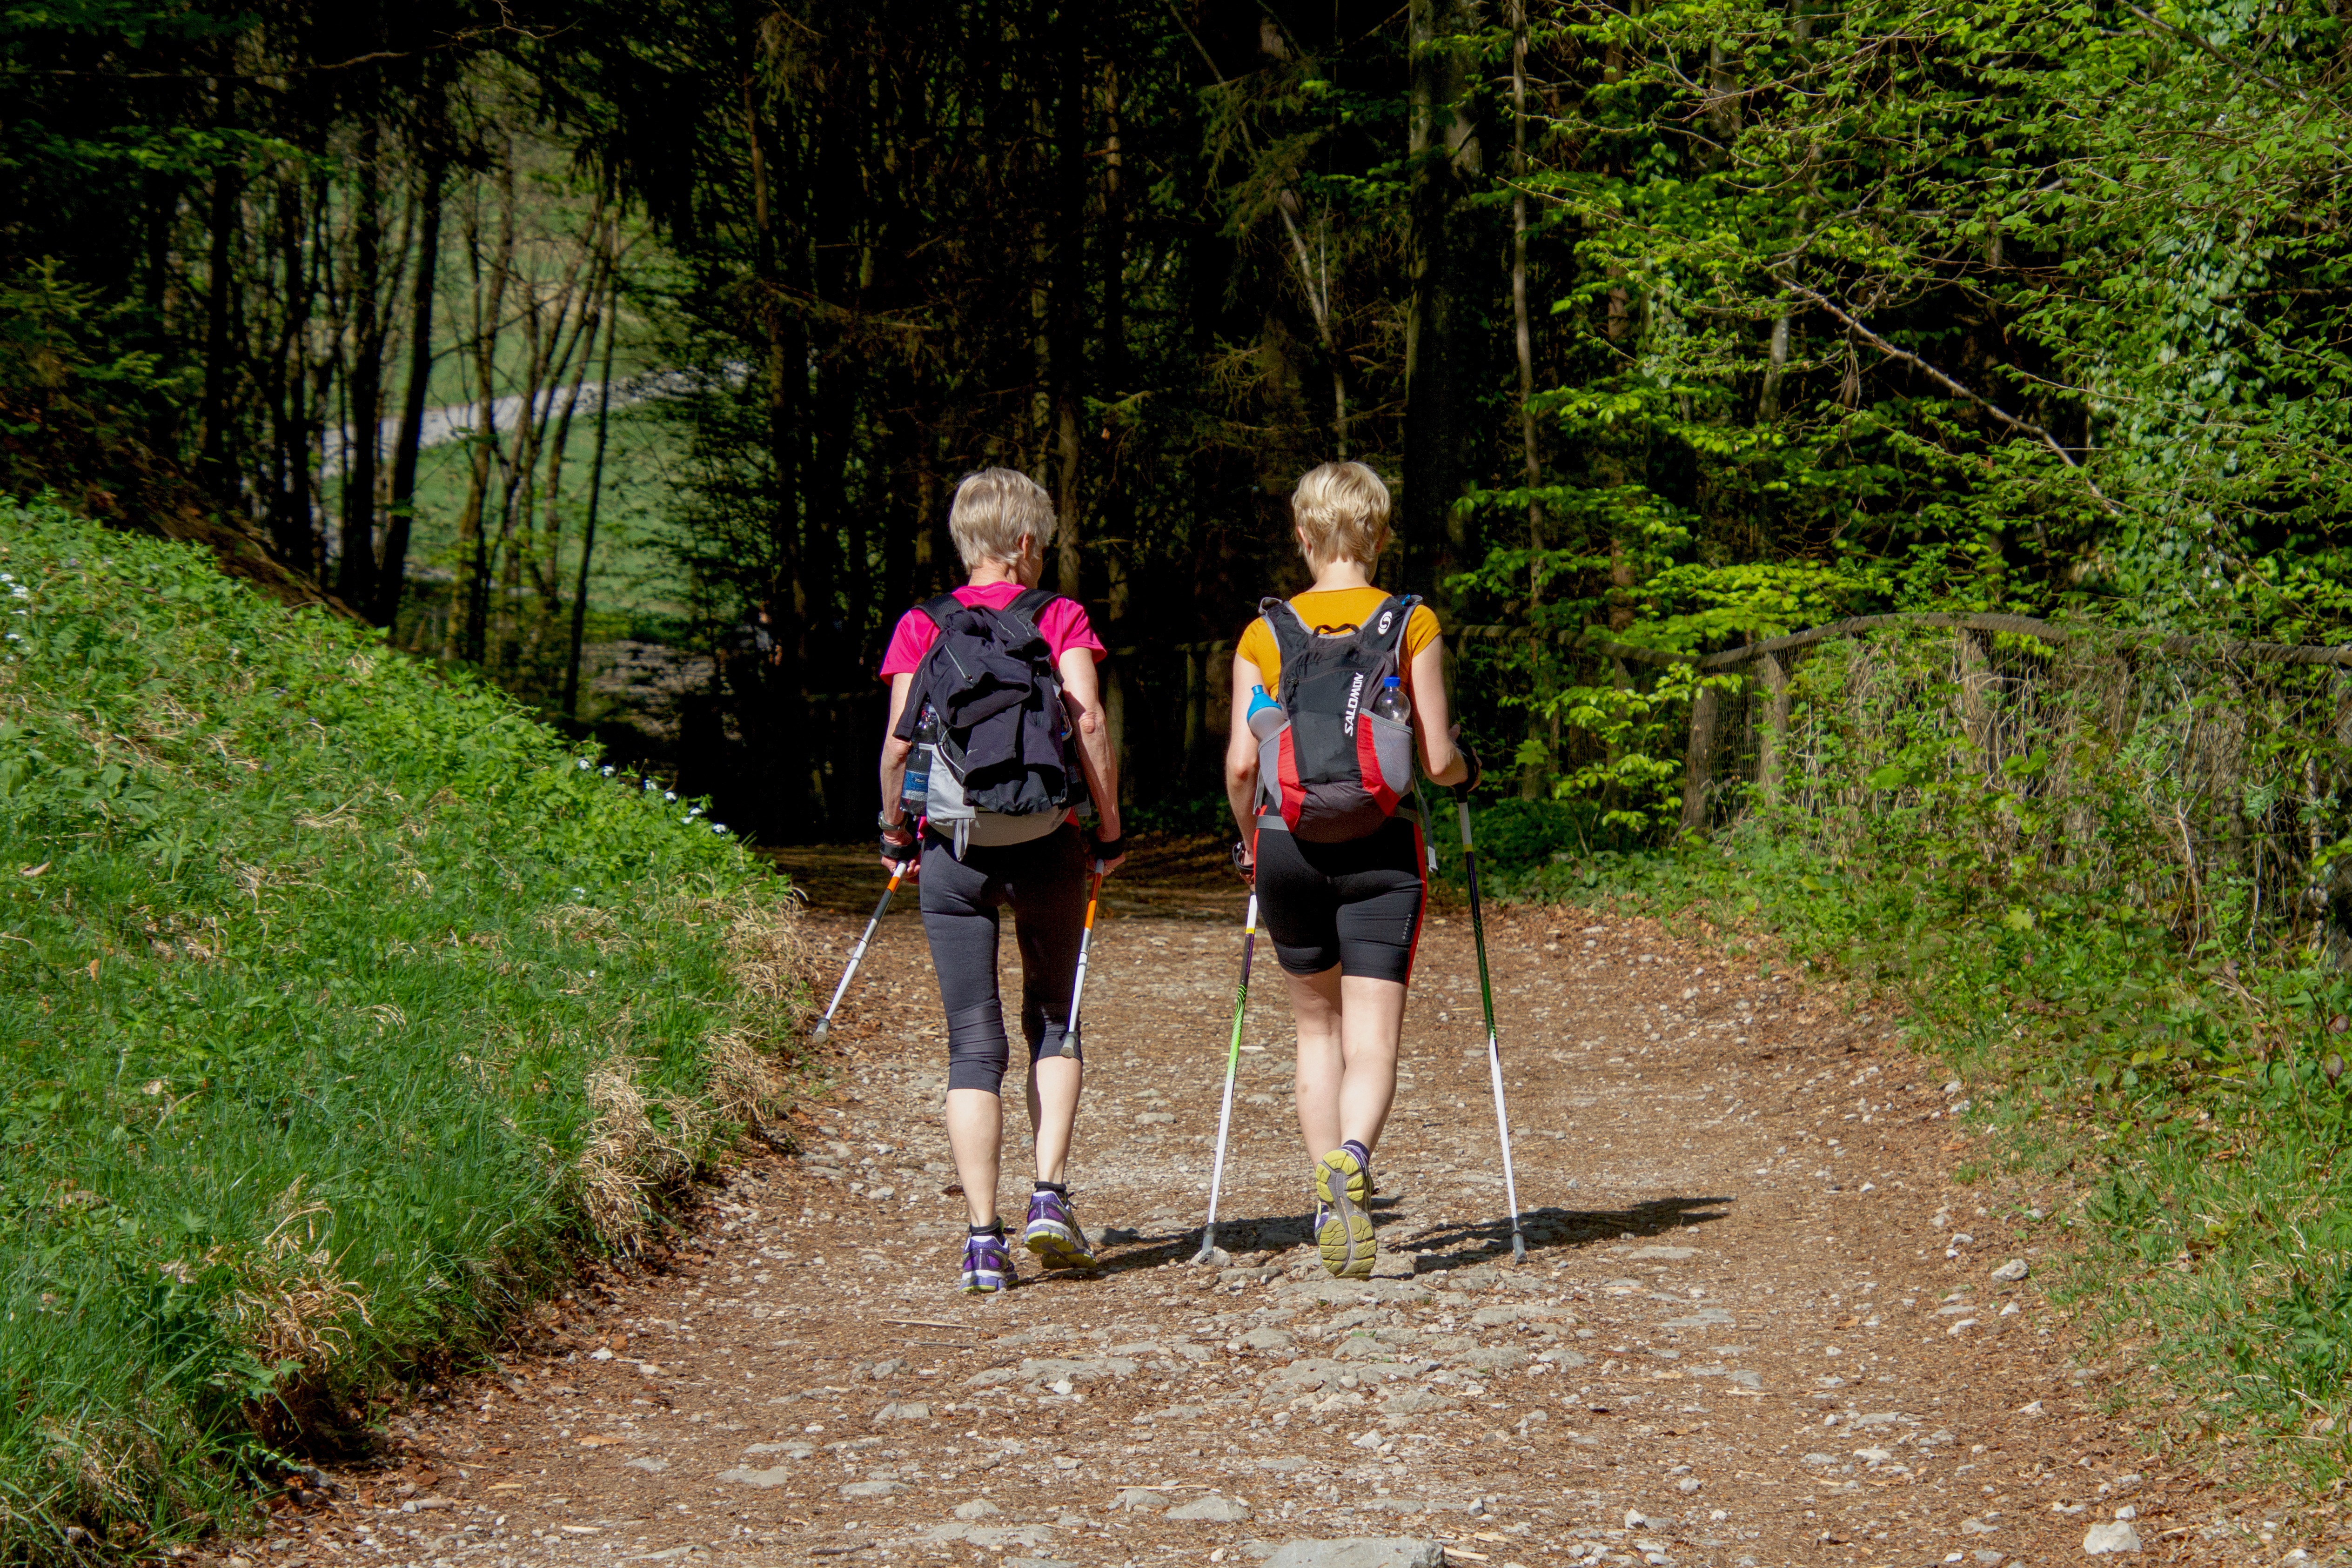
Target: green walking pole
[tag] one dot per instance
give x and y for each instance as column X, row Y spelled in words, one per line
column 1232, row 1064
column 1494, row 1045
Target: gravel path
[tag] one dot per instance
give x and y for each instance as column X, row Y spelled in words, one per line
column 1758, row 1325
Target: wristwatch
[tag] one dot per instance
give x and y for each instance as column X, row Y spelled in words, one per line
column 887, row 826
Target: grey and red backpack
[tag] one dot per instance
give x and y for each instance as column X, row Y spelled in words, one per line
column 1335, row 770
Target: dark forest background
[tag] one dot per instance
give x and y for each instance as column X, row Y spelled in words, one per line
column 1688, row 325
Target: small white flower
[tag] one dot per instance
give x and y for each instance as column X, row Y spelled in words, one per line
column 717, row 827
column 692, row 811
column 608, row 770
column 14, row 636
column 585, row 764
column 670, row 795
column 648, row 784
column 579, row 892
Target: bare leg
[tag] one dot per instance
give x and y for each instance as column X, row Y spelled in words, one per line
column 1315, row 1005
column 1347, row 1033
column 1371, row 1023
column 976, row 1137
column 1054, row 1086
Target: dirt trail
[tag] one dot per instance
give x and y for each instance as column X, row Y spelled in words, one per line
column 1757, row 1325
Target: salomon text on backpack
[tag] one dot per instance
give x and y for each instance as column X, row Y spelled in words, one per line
column 1004, row 747
column 1335, row 770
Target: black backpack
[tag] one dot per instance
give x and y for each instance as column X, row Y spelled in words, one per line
column 1004, row 745
column 1335, row 770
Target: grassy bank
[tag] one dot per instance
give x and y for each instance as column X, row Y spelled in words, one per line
column 339, row 1007
column 2179, row 1116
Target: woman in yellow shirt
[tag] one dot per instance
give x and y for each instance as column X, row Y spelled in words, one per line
column 1344, row 916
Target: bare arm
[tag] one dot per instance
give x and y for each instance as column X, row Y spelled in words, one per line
column 1241, row 753
column 895, row 752
column 1083, row 691
column 1432, row 719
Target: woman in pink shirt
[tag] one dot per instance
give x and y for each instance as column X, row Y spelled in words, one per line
column 1036, row 865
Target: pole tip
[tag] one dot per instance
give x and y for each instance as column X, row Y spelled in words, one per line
column 1518, row 1247
column 823, row 1027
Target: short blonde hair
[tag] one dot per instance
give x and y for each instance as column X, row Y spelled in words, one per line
column 1341, row 511
column 993, row 509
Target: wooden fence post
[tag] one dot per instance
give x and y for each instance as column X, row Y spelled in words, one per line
column 1698, row 774
column 1976, row 682
column 1772, row 745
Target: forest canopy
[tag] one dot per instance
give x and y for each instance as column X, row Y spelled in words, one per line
column 1685, row 325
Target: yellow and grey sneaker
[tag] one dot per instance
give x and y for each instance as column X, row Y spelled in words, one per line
column 1343, row 1226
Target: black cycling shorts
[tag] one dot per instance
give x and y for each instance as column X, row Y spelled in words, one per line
column 1357, row 905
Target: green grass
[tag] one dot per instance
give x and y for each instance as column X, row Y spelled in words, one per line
column 2171, row 1113
column 340, row 1006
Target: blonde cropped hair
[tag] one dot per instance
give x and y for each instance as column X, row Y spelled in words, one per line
column 993, row 509
column 1341, row 511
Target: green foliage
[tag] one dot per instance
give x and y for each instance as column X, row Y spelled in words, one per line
column 2082, row 930
column 340, row 1005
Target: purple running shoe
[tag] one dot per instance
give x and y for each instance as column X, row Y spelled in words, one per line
column 1054, row 1233
column 987, row 1264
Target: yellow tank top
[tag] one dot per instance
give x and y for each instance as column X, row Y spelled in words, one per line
column 1334, row 609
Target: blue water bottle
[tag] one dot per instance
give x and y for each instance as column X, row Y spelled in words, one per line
column 1266, row 715
column 917, row 792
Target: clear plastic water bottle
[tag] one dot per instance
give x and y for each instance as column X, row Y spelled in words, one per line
column 1266, row 715
column 1392, row 704
column 917, row 792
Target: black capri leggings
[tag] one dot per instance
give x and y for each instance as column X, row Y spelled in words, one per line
column 1356, row 904
column 1045, row 882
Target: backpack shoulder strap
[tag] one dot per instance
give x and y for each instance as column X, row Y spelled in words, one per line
column 1289, row 628
column 1383, row 630
column 1292, row 637
column 939, row 608
column 1031, row 602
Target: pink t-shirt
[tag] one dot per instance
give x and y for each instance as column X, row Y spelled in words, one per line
column 1063, row 624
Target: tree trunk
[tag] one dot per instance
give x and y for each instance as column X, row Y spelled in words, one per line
column 469, row 600
column 406, row 444
column 355, row 577
column 1535, row 777
column 1067, row 310
column 212, row 410
column 595, row 493
column 1442, row 147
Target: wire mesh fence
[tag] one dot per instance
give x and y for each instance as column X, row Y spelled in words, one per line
column 2202, row 782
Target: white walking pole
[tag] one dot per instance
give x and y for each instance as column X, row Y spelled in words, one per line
column 1070, row 1042
column 825, row 1024
column 1233, row 1062
column 1494, row 1045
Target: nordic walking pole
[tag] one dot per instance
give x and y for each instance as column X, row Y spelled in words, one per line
column 825, row 1024
column 1494, row 1045
column 1233, row 1063
column 1070, row 1041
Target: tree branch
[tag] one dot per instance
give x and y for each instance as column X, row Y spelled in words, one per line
column 2023, row 427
